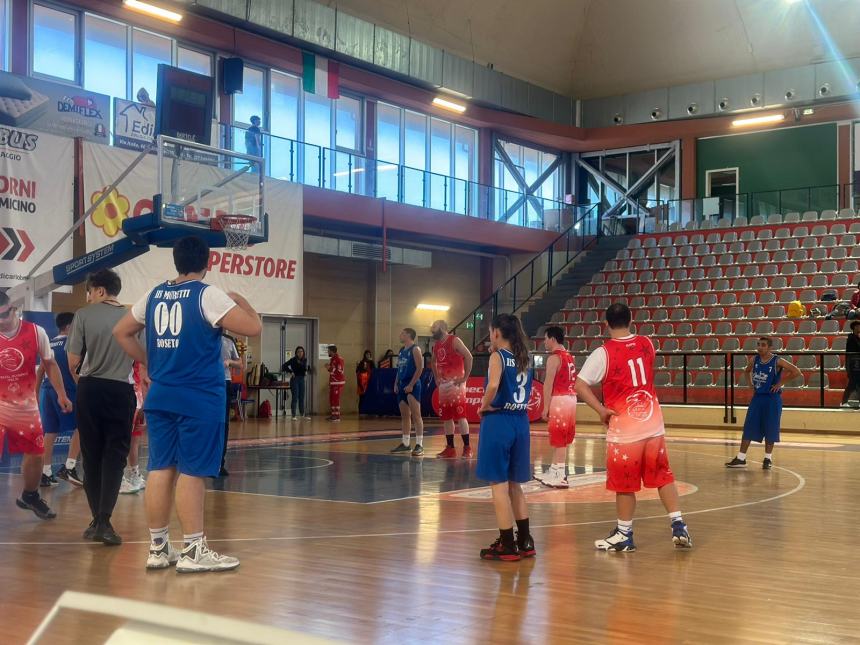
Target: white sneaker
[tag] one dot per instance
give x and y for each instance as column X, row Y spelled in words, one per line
column 197, row 557
column 616, row 541
column 555, row 478
column 306, row 418
column 295, row 418
column 161, row 556
column 139, row 481
column 127, row 487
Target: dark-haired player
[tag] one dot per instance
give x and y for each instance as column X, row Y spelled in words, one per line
column 766, row 372
column 559, row 408
column 635, row 444
column 407, row 387
column 504, row 449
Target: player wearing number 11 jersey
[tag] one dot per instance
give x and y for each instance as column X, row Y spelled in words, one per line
column 635, row 444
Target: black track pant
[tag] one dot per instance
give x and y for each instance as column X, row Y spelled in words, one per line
column 105, row 411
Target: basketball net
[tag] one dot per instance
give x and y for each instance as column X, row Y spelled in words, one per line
column 236, row 229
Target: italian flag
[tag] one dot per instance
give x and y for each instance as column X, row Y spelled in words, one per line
column 320, row 75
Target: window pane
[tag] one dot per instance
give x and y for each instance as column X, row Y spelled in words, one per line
column 317, row 131
column 149, row 50
column 414, row 157
column 54, row 42
column 347, row 123
column 105, row 57
column 194, row 61
column 465, row 167
column 440, row 163
column 250, row 102
column 4, row 30
column 387, row 150
column 284, row 124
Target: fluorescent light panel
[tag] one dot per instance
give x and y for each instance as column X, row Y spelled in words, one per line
column 153, row 10
column 427, row 307
column 447, row 104
column 758, row 120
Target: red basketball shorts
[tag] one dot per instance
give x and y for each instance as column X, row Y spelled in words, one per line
column 629, row 466
column 562, row 421
column 23, row 429
column 452, row 401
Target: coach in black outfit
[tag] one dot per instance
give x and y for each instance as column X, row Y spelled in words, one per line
column 106, row 402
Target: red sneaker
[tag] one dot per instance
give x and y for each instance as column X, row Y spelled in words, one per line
column 467, row 452
column 498, row 551
column 449, row 453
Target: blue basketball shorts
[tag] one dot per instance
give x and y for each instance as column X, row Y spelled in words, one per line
column 192, row 446
column 403, row 397
column 504, row 453
column 763, row 418
column 54, row 420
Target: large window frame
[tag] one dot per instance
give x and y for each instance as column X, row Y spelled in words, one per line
column 78, row 33
column 511, row 202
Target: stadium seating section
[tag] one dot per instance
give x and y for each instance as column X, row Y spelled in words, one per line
column 712, row 292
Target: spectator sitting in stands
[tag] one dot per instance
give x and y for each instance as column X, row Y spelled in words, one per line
column 854, row 306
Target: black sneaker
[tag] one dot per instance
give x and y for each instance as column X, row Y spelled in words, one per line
column 418, row 451
column 38, row 506
column 498, row 551
column 767, row 464
column 74, row 477
column 527, row 547
column 223, row 472
column 106, row 535
column 48, row 481
column 91, row 530
column 736, row 463
column 401, row 448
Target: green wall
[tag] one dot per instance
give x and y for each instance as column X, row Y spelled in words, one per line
column 774, row 160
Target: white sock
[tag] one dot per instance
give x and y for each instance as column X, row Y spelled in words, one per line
column 625, row 526
column 419, row 439
column 159, row 536
column 675, row 517
column 406, row 440
column 768, row 455
column 46, row 471
column 71, row 463
column 559, row 467
column 742, row 456
column 192, row 537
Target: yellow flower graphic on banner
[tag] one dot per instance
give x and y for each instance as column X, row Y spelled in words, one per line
column 111, row 212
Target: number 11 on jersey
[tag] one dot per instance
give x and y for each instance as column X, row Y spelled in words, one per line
column 641, row 380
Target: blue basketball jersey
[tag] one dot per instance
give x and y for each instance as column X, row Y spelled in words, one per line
column 406, row 365
column 765, row 375
column 183, row 353
column 515, row 388
column 58, row 344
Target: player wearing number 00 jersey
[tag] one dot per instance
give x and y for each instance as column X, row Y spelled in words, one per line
column 503, row 451
column 635, row 443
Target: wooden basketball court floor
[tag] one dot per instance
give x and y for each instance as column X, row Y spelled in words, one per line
column 342, row 540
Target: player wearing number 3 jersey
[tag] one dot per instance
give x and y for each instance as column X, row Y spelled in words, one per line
column 503, row 451
column 635, row 444
column 184, row 319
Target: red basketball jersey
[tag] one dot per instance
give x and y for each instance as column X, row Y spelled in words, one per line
column 18, row 356
column 450, row 366
column 565, row 376
column 628, row 388
column 337, row 376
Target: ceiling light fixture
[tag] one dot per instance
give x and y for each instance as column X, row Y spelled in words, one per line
column 445, row 104
column 758, row 120
column 427, row 307
column 153, row 10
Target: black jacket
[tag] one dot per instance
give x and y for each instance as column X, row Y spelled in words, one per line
column 296, row 367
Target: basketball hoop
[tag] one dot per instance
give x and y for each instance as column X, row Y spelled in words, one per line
column 236, row 229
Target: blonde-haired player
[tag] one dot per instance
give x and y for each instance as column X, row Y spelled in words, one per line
column 452, row 364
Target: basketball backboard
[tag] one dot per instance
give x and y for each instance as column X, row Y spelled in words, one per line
column 197, row 184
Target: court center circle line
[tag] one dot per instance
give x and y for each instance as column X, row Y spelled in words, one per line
column 801, row 483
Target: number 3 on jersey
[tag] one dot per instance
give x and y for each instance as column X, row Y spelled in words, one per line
column 168, row 318
column 642, row 380
column 520, row 394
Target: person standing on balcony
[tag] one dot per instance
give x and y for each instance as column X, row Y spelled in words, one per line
column 254, row 138
column 766, row 373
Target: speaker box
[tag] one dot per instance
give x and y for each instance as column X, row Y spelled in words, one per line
column 231, row 75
